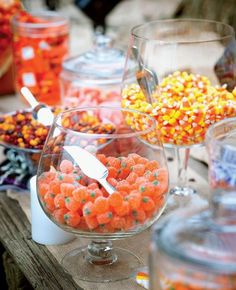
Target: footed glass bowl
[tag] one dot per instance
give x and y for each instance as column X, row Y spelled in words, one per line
column 72, row 193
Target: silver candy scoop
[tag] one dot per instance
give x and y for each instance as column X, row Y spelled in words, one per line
column 41, row 112
column 90, row 165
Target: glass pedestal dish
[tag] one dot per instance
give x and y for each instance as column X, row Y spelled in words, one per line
column 135, row 167
column 185, row 78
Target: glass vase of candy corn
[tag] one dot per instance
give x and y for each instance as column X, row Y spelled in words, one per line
column 185, row 78
column 104, row 185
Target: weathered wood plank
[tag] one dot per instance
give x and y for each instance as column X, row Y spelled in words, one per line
column 39, row 266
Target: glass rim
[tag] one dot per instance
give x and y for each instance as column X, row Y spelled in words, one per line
column 58, row 20
column 209, row 133
column 179, row 254
column 105, row 136
column 230, row 33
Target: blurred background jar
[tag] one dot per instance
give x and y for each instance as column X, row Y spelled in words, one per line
column 196, row 250
column 8, row 9
column 93, row 77
column 221, row 147
column 40, row 44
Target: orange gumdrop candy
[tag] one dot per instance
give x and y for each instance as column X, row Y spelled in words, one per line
column 123, row 210
column 66, row 166
column 72, row 218
column 80, row 194
column 72, row 204
column 101, row 204
column 58, row 215
column 67, row 189
column 104, row 218
column 115, row 199
column 147, row 203
column 59, row 201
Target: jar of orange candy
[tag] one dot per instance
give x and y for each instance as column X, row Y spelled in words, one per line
column 40, row 44
column 7, row 9
column 196, row 250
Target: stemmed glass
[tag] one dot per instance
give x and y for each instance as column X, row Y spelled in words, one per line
column 183, row 73
column 126, row 142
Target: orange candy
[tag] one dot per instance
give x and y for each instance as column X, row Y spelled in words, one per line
column 91, row 222
column 58, row 215
column 115, row 199
column 139, row 169
column 80, row 194
column 104, row 218
column 118, row 223
column 38, row 54
column 59, row 201
column 72, row 218
column 123, row 210
column 43, row 188
column 112, row 172
column 72, row 204
column 94, row 193
column 84, row 204
column 66, row 166
column 131, row 178
column 89, row 209
column 147, row 203
column 67, row 189
column 49, row 201
column 101, row 204
column 55, row 186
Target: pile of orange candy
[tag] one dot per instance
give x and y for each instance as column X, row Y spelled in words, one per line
column 38, row 58
column 7, row 10
column 73, row 199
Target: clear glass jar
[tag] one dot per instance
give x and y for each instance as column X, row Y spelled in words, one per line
column 94, row 77
column 221, row 146
column 8, row 9
column 40, row 43
column 197, row 251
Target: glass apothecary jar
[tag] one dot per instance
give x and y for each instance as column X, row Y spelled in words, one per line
column 93, row 77
column 197, row 250
column 8, row 9
column 40, row 44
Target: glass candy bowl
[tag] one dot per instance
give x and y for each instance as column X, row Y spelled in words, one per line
column 196, row 250
column 185, row 78
column 128, row 147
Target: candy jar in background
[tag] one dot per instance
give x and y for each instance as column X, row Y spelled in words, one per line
column 221, row 146
column 106, row 182
column 7, row 10
column 94, row 77
column 40, row 44
column 196, row 250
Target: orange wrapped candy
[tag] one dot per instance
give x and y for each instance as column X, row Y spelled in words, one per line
column 40, row 44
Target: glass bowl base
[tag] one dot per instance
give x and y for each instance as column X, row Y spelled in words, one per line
column 182, row 191
column 123, row 266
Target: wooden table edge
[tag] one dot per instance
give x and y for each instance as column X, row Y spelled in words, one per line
column 39, row 266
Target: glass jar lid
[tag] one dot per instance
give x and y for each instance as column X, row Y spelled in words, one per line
column 206, row 239
column 103, row 65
